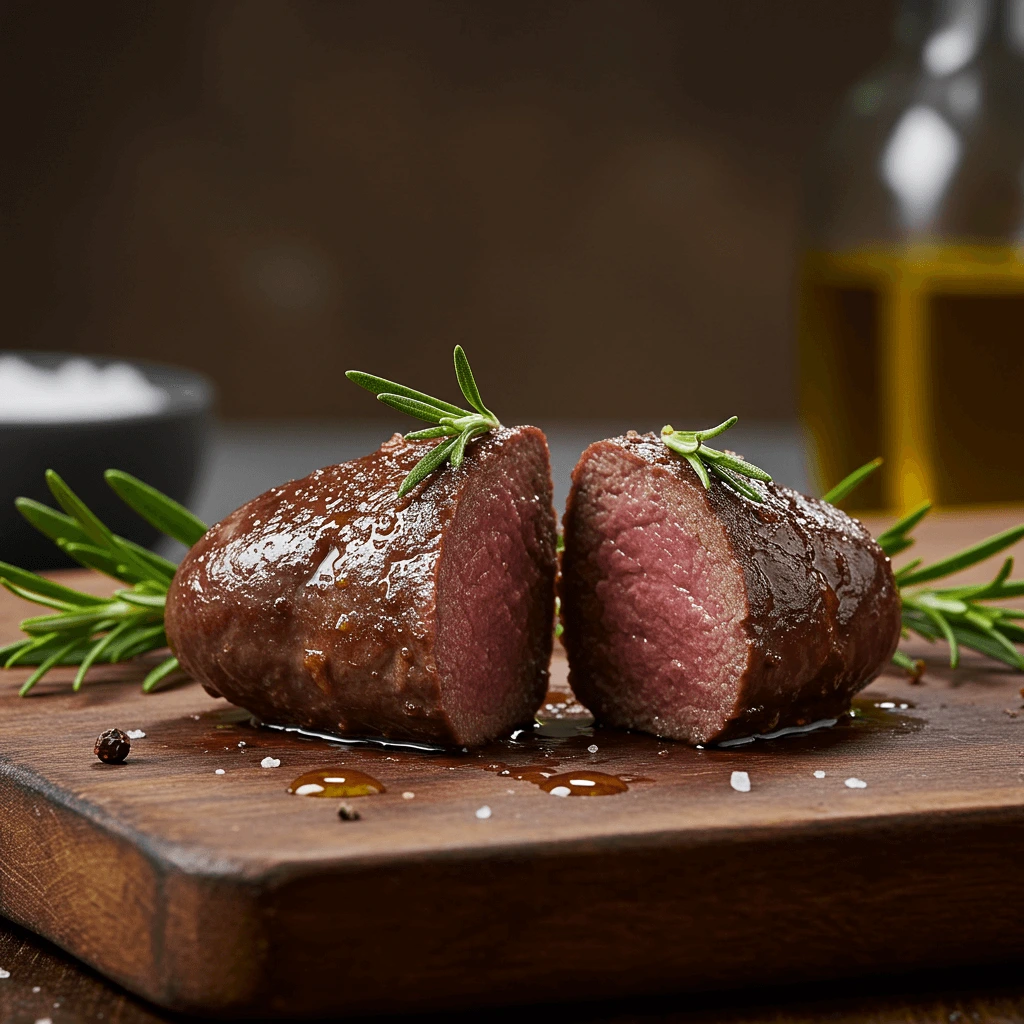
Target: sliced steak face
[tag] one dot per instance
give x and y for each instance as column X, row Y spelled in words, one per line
column 329, row 603
column 699, row 615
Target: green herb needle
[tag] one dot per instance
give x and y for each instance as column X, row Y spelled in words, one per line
column 961, row 616
column 457, row 425
column 83, row 629
column 729, row 468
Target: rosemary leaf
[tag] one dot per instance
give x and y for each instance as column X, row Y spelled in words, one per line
column 138, row 642
column 96, row 650
column 459, row 451
column 947, row 632
column 380, row 386
column 49, row 522
column 94, row 529
column 904, row 662
column 894, row 540
column 27, row 595
column 698, row 468
column 411, row 407
column 704, row 435
column 434, row 458
column 45, row 667
column 737, row 483
column 142, row 600
column 729, row 468
column 849, row 483
column 423, row 435
column 41, row 585
column 969, row 556
column 467, row 383
column 159, row 674
column 157, row 509
column 40, row 624
column 459, row 426
column 102, row 561
column 734, row 463
column 30, row 645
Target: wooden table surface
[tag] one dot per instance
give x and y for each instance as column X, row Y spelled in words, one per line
column 46, row 983
column 994, row 994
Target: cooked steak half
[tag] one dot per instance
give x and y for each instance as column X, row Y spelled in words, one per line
column 703, row 616
column 331, row 604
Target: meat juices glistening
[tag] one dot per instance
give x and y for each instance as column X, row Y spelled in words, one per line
column 703, row 616
column 329, row 603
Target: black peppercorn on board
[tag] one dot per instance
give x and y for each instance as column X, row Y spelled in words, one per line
column 569, row 860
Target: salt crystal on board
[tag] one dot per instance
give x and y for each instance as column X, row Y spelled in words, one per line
column 219, row 771
column 136, row 734
column 408, row 796
column 4, row 974
column 853, row 783
column 740, row 781
column 483, row 812
column 819, row 774
column 592, row 748
column 270, row 762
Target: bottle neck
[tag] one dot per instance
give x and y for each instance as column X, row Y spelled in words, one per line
column 948, row 35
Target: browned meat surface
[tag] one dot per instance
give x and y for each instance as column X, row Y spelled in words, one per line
column 328, row 603
column 702, row 616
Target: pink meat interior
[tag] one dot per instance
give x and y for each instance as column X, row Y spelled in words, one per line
column 671, row 597
column 495, row 598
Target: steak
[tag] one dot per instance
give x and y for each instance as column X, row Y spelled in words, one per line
column 330, row 604
column 703, row 616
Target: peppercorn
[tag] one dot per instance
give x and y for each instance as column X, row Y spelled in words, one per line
column 348, row 813
column 112, row 746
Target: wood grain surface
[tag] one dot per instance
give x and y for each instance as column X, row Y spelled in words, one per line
column 225, row 894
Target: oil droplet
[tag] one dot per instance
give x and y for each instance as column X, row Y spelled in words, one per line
column 583, row 784
column 573, row 783
column 335, row 783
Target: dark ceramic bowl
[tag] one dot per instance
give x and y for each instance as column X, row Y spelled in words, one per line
column 164, row 448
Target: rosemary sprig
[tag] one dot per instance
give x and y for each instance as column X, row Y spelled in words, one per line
column 728, row 467
column 961, row 615
column 83, row 629
column 458, row 426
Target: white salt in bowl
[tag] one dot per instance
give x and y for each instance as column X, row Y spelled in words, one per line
column 83, row 415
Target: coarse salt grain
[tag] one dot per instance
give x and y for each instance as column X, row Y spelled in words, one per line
column 887, row 704
column 270, row 762
column 853, row 783
column 45, row 1020
column 819, row 774
column 408, row 796
column 76, row 389
column 4, row 974
column 219, row 771
column 36, row 988
column 135, row 734
column 592, row 748
column 241, row 743
column 483, row 812
column 740, row 781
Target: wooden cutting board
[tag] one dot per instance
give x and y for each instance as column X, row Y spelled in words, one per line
column 223, row 893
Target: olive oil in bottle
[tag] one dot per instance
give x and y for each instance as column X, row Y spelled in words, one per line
column 911, row 288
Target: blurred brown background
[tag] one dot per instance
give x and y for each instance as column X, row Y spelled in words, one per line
column 598, row 199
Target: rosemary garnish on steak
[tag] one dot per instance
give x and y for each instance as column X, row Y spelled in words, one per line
column 731, row 469
column 458, row 426
column 961, row 615
column 84, row 629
